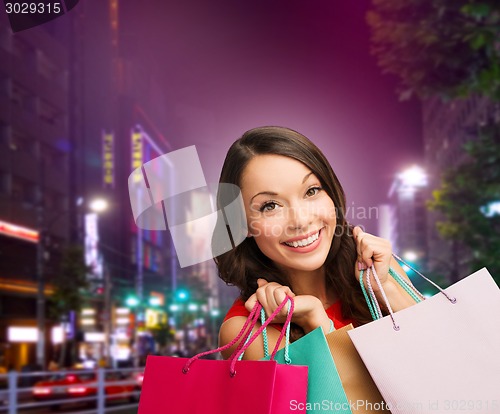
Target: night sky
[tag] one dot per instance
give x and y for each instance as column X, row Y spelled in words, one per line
column 227, row 66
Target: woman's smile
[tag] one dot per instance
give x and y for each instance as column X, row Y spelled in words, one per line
column 304, row 244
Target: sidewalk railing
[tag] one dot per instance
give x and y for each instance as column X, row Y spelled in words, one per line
column 90, row 389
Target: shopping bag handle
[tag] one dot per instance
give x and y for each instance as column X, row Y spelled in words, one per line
column 246, row 329
column 251, row 320
column 450, row 298
column 235, row 356
column 372, row 299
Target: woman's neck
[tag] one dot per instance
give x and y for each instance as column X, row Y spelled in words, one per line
column 312, row 283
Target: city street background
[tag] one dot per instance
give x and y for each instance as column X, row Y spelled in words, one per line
column 94, row 94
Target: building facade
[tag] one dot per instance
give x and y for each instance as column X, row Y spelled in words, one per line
column 34, row 180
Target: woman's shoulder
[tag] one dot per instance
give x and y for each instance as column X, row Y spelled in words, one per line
column 237, row 309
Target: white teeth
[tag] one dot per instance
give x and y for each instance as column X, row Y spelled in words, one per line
column 303, row 242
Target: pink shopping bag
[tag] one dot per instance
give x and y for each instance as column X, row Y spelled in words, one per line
column 194, row 386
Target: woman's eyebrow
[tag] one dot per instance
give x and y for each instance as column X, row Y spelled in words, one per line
column 264, row 193
column 270, row 193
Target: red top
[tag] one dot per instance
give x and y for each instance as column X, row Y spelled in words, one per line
column 334, row 312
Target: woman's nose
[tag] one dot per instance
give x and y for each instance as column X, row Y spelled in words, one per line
column 299, row 216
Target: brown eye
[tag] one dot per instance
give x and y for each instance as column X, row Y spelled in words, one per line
column 268, row 206
column 313, row 191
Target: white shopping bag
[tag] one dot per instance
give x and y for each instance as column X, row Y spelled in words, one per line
column 445, row 357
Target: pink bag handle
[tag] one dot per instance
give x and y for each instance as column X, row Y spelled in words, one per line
column 252, row 320
column 235, row 356
column 246, row 329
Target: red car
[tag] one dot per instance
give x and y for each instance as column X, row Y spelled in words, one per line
column 65, row 386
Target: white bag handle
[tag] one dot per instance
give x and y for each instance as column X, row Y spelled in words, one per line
column 374, row 300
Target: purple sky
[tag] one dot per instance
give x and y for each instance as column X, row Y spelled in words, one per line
column 229, row 66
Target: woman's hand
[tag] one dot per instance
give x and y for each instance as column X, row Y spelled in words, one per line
column 374, row 251
column 377, row 251
column 308, row 310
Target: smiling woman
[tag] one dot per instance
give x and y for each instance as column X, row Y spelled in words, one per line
column 299, row 242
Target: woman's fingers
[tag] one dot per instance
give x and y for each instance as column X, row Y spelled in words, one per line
column 270, row 295
column 374, row 251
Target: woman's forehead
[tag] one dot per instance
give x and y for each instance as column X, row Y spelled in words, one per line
column 270, row 169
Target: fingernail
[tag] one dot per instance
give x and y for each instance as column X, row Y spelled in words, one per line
column 361, row 266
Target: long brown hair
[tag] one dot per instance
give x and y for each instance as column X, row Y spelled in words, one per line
column 244, row 264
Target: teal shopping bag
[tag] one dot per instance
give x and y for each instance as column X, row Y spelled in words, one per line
column 325, row 393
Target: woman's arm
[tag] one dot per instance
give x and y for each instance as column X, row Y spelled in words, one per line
column 230, row 329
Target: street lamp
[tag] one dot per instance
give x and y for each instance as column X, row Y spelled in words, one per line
column 154, row 301
column 98, row 205
column 174, row 308
column 491, row 209
column 192, row 307
column 413, row 177
column 182, row 295
column 132, row 301
column 410, row 255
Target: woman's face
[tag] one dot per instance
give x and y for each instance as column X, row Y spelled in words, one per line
column 289, row 214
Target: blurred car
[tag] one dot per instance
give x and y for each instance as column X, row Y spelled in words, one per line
column 67, row 386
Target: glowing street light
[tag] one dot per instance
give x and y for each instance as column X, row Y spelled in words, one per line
column 182, row 295
column 491, row 209
column 410, row 255
column 132, row 301
column 154, row 301
column 413, row 177
column 98, row 205
column 174, row 308
column 193, row 307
